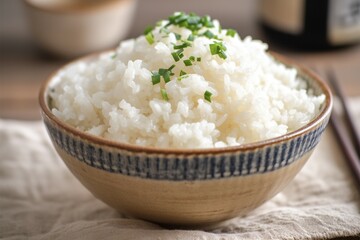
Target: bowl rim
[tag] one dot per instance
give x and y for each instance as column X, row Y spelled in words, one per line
column 109, row 4
column 326, row 111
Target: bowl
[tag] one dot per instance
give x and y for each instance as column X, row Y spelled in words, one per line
column 71, row 28
column 186, row 186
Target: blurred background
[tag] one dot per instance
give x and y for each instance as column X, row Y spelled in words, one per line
column 32, row 44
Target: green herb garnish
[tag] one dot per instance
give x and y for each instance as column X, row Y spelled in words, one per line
column 180, row 53
column 150, row 38
column 209, row 34
column 193, row 20
column 155, row 78
column 148, row 29
column 217, row 48
column 190, row 21
column 207, row 96
column 199, row 27
column 166, row 76
column 164, row 94
column 187, row 62
column 176, row 56
column 171, row 68
column 182, row 75
column 231, row 32
column 165, row 73
column 207, row 22
column 177, row 36
column 177, row 19
column 184, row 44
column 191, row 37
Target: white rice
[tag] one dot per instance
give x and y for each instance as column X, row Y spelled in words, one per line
column 254, row 97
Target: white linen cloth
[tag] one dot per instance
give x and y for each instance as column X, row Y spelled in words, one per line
column 41, row 199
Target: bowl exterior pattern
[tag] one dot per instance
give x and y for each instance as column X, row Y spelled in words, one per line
column 186, row 167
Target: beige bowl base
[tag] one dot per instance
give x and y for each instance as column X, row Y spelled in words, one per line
column 184, row 203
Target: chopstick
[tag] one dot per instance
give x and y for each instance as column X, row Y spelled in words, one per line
column 349, row 137
column 348, row 118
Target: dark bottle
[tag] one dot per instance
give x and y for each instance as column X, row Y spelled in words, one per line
column 311, row 23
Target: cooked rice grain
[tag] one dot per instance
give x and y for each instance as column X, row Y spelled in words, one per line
column 254, row 97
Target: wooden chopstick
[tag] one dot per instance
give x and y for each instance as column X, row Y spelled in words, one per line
column 354, row 133
column 346, row 144
column 349, row 138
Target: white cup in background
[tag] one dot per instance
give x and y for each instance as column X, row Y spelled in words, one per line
column 71, row 28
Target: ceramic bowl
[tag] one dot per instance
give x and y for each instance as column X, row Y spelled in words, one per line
column 186, row 186
column 71, row 28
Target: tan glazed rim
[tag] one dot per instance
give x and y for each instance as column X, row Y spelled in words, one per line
column 324, row 113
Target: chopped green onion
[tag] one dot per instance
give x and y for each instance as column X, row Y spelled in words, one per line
column 206, row 21
column 171, row 67
column 155, row 78
column 193, row 20
column 191, row 37
column 182, row 73
column 231, row 32
column 190, row 21
column 114, row 56
column 162, row 71
column 208, row 34
column 214, row 49
column 176, row 56
column 180, row 19
column 148, row 29
column 187, row 62
column 164, row 94
column 199, row 26
column 180, row 53
column 177, row 19
column 219, row 49
column 207, row 96
column 150, row 38
column 222, row 54
column 177, row 36
column 166, row 76
column 183, row 45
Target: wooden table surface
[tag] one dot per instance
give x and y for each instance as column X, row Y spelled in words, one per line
column 23, row 67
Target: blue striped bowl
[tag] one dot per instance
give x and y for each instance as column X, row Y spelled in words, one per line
column 186, row 186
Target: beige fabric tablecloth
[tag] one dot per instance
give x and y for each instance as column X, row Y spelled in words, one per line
column 40, row 199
